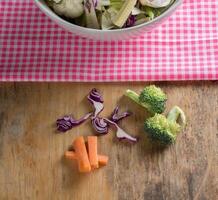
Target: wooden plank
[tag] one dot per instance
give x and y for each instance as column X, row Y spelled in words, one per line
column 31, row 152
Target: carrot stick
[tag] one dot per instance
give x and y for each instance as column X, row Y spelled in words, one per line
column 71, row 155
column 92, row 151
column 102, row 160
column 81, row 154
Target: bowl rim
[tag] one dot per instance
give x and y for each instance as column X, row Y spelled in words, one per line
column 56, row 17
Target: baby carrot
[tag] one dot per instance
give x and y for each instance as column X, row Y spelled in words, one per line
column 81, row 154
column 71, row 155
column 92, row 151
column 102, row 160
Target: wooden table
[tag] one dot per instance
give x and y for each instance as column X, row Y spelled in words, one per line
column 31, row 152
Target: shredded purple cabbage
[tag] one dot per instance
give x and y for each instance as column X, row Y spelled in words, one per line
column 100, row 125
column 88, row 5
column 121, row 134
column 95, row 95
column 130, row 21
column 116, row 117
column 96, row 99
column 95, row 3
column 67, row 122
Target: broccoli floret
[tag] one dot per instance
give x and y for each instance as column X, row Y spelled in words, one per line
column 165, row 129
column 152, row 98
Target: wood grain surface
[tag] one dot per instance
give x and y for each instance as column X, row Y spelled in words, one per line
column 31, row 151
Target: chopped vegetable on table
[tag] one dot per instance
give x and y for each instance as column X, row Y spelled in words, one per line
column 116, row 117
column 67, row 122
column 158, row 127
column 151, row 97
column 102, row 159
column 121, row 134
column 96, row 99
column 82, row 155
column 109, row 14
column 165, row 129
column 100, row 125
column 87, row 159
column 92, row 151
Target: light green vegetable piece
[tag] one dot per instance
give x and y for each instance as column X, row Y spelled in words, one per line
column 137, row 11
column 151, row 97
column 68, row 8
column 116, row 4
column 165, row 129
column 155, row 3
column 124, row 12
column 90, row 14
column 107, row 17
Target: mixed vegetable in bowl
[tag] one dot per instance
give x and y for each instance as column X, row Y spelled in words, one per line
column 109, row 14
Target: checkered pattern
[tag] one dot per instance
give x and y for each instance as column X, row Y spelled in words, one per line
column 33, row 48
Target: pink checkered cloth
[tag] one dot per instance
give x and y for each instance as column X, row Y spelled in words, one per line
column 33, row 48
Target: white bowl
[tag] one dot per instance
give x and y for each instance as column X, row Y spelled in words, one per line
column 107, row 35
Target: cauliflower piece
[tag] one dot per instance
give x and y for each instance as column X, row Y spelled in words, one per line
column 155, row 3
column 56, row 1
column 68, row 8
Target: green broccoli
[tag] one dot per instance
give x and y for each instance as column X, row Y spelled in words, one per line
column 164, row 129
column 152, row 98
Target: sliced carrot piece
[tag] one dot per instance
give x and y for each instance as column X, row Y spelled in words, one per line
column 71, row 155
column 92, row 151
column 102, row 160
column 81, row 154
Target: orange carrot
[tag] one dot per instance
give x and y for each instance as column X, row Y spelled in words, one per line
column 102, row 160
column 71, row 155
column 92, row 151
column 81, row 154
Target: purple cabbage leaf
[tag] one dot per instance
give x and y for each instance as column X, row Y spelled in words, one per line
column 116, row 117
column 97, row 101
column 121, row 134
column 68, row 122
column 100, row 125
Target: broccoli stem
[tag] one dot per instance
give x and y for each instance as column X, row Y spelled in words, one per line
column 175, row 113
column 133, row 95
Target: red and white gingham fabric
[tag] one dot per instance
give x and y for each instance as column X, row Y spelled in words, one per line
column 33, row 48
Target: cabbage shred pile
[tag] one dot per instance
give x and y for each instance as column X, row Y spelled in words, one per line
column 109, row 14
